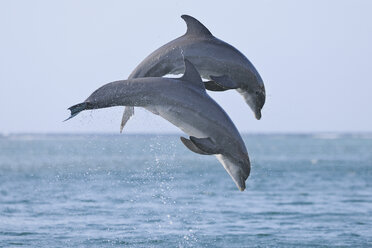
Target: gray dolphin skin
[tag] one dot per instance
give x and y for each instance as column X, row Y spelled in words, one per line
column 218, row 62
column 185, row 103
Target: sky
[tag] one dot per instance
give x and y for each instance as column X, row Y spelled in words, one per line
column 314, row 57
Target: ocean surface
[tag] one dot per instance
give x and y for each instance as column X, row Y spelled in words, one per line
column 112, row 190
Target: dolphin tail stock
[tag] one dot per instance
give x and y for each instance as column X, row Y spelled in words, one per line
column 77, row 108
column 128, row 113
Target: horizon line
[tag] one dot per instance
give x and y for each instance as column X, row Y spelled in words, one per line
column 180, row 133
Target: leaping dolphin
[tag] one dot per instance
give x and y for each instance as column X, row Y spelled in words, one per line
column 185, row 103
column 217, row 61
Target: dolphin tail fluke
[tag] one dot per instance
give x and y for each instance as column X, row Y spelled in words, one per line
column 76, row 109
column 128, row 113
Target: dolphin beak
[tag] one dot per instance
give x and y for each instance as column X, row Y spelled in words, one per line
column 258, row 114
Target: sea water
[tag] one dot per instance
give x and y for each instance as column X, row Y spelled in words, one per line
column 311, row 190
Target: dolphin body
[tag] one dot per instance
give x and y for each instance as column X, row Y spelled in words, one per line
column 217, row 61
column 185, row 103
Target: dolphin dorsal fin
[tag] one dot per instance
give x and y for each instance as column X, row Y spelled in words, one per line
column 194, row 27
column 192, row 76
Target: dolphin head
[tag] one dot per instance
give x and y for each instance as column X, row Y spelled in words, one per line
column 252, row 87
column 255, row 97
column 238, row 167
column 259, row 97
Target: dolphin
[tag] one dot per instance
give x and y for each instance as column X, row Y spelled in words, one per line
column 217, row 61
column 185, row 103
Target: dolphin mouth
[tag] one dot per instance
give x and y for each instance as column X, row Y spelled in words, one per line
column 258, row 115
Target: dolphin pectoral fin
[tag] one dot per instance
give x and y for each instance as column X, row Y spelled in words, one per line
column 189, row 144
column 220, row 83
column 205, row 144
column 128, row 113
column 213, row 86
column 225, row 82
